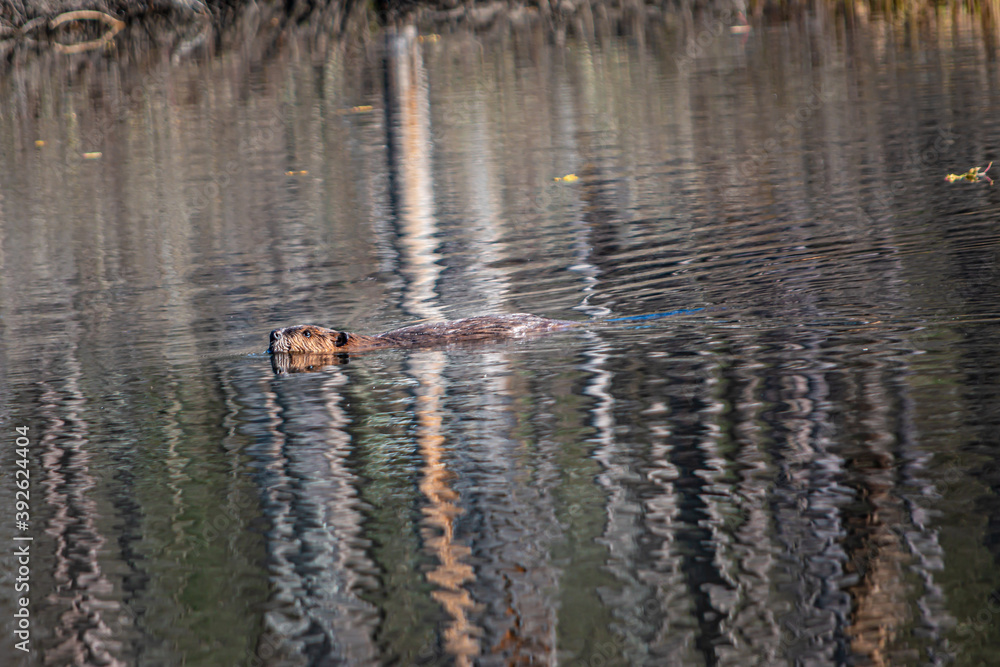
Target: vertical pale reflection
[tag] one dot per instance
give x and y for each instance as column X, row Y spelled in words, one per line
column 720, row 505
column 410, row 146
column 755, row 614
column 665, row 572
column 514, row 520
column 480, row 220
column 623, row 527
column 576, row 125
column 809, row 500
column 81, row 590
column 453, row 572
column 175, row 461
column 410, row 149
column 319, row 562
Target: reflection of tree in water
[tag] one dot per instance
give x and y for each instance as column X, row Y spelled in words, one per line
column 493, row 609
column 890, row 547
column 806, row 546
column 88, row 627
column 318, row 564
column 453, row 571
column 481, row 522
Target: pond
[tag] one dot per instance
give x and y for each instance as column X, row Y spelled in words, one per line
column 795, row 463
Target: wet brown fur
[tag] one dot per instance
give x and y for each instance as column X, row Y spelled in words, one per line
column 310, row 339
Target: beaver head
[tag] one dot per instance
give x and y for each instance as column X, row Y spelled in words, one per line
column 307, row 338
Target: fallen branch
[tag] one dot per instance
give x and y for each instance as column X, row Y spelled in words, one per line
column 114, row 27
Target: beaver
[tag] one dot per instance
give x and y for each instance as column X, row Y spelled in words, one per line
column 310, row 339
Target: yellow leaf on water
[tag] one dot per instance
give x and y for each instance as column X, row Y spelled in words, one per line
column 363, row 108
column 92, row 156
column 568, row 178
column 974, row 175
column 39, row 143
column 296, row 173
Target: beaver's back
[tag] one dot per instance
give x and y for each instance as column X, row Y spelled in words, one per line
column 312, row 339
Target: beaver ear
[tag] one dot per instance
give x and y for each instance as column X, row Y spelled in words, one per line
column 341, row 339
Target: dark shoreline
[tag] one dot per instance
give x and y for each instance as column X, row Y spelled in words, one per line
column 142, row 30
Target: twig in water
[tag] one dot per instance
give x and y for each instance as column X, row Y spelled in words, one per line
column 974, row 175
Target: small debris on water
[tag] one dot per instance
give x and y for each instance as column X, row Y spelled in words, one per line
column 974, row 175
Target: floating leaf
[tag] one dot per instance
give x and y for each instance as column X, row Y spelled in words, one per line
column 39, row 143
column 363, row 108
column 974, row 175
column 92, row 156
column 296, row 173
column 568, row 178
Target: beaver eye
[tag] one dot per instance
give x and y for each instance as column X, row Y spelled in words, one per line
column 307, row 334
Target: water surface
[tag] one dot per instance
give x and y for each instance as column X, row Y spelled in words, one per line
column 802, row 470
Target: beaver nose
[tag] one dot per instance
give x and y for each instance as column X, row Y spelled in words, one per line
column 275, row 337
